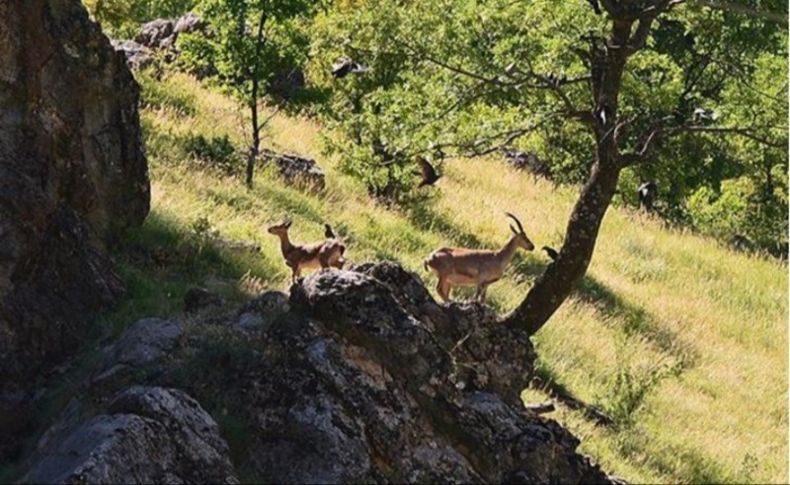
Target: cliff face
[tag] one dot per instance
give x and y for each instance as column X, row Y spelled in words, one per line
column 72, row 175
column 357, row 376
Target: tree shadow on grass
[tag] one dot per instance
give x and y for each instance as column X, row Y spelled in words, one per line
column 545, row 381
column 161, row 260
column 635, row 320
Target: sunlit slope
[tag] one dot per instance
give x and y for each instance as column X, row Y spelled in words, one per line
column 682, row 341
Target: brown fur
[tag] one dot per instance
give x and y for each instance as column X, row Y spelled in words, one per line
column 322, row 254
column 474, row 267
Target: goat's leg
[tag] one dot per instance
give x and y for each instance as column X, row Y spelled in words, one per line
column 295, row 273
column 482, row 292
column 443, row 288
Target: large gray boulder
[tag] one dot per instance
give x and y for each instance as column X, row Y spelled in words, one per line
column 73, row 176
column 147, row 435
column 142, row 346
column 296, row 169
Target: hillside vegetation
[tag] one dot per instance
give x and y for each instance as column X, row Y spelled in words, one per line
column 678, row 339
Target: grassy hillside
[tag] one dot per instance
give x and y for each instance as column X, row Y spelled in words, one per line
column 681, row 341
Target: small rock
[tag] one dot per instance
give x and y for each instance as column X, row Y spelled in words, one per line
column 528, row 161
column 296, row 169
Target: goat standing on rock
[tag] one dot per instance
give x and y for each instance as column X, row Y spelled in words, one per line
column 321, row 254
column 475, row 267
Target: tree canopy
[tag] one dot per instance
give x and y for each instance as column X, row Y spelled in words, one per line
column 468, row 77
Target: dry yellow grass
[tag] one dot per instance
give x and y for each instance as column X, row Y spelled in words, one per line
column 708, row 325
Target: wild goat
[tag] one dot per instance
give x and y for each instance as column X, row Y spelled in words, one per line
column 474, row 267
column 321, row 254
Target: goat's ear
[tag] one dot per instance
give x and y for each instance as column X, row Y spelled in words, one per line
column 514, row 230
column 288, row 222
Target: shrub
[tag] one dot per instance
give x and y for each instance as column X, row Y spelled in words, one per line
column 739, row 213
column 215, row 151
column 198, row 55
column 629, row 385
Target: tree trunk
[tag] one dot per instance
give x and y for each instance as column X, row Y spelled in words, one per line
column 555, row 284
column 256, row 128
column 256, row 134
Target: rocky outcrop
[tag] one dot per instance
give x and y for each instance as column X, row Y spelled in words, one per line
column 157, row 36
column 73, row 175
column 296, row 170
column 163, row 33
column 189, row 22
column 147, row 435
column 357, row 376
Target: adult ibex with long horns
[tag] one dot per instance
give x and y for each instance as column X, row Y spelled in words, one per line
column 475, row 267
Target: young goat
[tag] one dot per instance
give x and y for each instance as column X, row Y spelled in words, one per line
column 473, row 267
column 321, row 254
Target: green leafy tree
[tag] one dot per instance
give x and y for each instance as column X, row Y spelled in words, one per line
column 249, row 42
column 359, row 124
column 645, row 88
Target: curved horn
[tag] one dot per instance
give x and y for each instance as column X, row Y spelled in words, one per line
column 515, row 219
